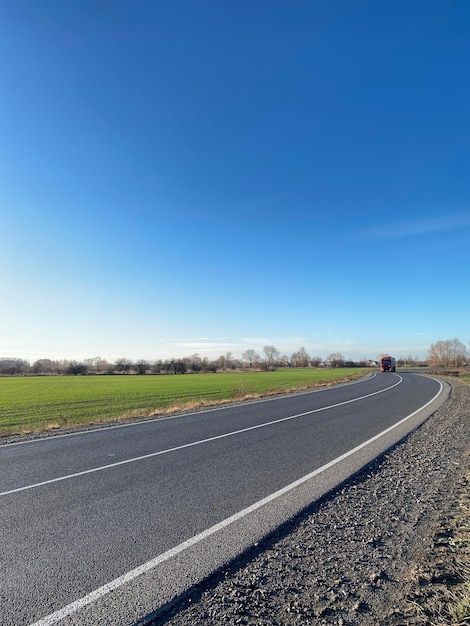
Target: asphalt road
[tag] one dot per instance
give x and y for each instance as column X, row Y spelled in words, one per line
column 106, row 526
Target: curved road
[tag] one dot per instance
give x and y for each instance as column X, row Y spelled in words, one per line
column 106, row 526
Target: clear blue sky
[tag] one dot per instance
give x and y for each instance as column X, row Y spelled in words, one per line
column 209, row 176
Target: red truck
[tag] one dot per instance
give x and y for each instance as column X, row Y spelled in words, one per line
column 387, row 364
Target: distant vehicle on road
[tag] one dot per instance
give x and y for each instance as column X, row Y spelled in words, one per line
column 387, row 364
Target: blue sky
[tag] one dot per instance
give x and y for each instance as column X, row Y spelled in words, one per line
column 211, row 176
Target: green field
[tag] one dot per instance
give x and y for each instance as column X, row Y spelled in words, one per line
column 37, row 403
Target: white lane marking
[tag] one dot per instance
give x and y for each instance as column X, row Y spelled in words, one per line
column 189, row 445
column 84, row 433
column 75, row 606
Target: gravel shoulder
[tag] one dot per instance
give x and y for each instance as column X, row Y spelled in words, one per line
column 391, row 546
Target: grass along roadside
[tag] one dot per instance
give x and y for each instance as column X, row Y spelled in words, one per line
column 39, row 403
column 438, row 591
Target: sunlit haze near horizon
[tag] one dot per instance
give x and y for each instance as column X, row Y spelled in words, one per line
column 207, row 177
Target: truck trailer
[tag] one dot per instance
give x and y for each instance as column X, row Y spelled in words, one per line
column 387, row 364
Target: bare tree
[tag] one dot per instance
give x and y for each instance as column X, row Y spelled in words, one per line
column 271, row 354
column 157, row 367
column 335, row 360
column 123, row 365
column 219, row 363
column 42, row 366
column 76, row 368
column 103, row 367
column 11, row 367
column 92, row 363
column 250, row 357
column 448, row 353
column 228, row 360
column 300, row 358
column 407, row 361
column 177, row 366
column 194, row 363
column 141, row 366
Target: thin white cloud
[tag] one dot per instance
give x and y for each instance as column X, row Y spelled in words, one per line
column 204, row 345
column 409, row 228
column 279, row 342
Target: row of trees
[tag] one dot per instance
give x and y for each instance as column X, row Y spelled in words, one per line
column 448, row 353
column 250, row 359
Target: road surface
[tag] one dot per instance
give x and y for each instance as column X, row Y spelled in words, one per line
column 107, row 526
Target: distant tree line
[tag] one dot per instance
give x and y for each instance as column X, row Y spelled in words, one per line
column 448, row 353
column 194, row 364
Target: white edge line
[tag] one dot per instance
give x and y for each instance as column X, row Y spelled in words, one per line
column 189, row 445
column 75, row 606
column 154, row 418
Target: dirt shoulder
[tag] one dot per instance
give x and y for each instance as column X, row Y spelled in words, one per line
column 391, row 546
